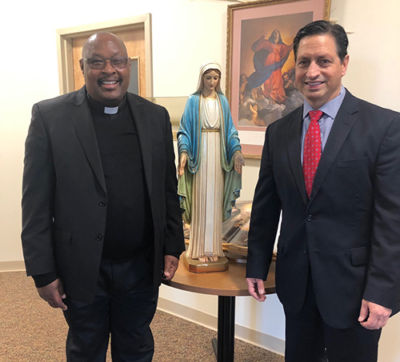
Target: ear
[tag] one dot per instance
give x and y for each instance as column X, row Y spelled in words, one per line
column 345, row 63
column 81, row 64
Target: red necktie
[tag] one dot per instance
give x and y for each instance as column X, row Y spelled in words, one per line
column 312, row 150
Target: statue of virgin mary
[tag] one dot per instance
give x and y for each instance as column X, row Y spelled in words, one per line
column 210, row 166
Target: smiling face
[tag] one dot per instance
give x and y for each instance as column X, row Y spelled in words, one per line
column 319, row 70
column 108, row 85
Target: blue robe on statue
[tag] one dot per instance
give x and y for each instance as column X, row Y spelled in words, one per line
column 189, row 141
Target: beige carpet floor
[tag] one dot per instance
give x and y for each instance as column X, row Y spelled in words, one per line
column 31, row 331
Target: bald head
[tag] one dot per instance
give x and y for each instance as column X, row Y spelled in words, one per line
column 106, row 68
column 101, row 37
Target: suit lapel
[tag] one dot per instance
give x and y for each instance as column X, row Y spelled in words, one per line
column 143, row 127
column 294, row 149
column 83, row 123
column 341, row 127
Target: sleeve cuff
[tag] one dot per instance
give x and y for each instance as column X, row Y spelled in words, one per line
column 43, row 279
column 175, row 254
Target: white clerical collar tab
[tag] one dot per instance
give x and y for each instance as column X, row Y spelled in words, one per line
column 110, row 110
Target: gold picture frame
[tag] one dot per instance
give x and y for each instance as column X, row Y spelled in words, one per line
column 260, row 63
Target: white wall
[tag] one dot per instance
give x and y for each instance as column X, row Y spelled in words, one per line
column 185, row 34
column 374, row 68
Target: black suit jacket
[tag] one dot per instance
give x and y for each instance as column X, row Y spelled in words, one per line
column 65, row 197
column 347, row 235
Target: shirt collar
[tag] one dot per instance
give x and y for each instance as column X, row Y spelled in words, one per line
column 100, row 108
column 330, row 108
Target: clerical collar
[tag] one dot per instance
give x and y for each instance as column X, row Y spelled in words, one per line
column 101, row 108
column 111, row 110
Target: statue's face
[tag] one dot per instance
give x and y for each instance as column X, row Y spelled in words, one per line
column 211, row 80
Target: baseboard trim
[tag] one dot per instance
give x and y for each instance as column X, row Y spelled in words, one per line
column 11, row 266
column 245, row 334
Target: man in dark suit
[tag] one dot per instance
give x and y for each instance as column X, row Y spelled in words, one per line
column 332, row 168
column 101, row 218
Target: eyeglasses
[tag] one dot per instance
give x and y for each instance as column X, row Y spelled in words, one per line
column 100, row 63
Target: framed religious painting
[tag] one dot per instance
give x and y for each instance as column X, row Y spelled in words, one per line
column 260, row 63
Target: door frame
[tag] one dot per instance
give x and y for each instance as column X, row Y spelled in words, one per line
column 65, row 37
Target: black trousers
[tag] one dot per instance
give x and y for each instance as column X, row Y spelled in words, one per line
column 309, row 339
column 124, row 306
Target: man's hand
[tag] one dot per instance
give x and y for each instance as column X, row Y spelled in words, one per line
column 53, row 294
column 256, row 288
column 182, row 163
column 170, row 266
column 238, row 161
column 372, row 315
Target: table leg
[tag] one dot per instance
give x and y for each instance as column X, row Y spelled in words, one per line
column 225, row 343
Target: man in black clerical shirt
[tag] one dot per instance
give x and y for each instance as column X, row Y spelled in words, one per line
column 101, row 218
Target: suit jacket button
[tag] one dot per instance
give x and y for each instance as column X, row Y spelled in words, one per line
column 309, row 217
column 101, row 203
column 99, row 236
